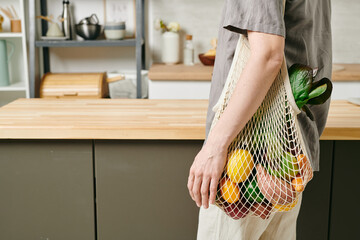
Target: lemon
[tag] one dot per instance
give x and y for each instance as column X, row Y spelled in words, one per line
column 239, row 166
column 287, row 207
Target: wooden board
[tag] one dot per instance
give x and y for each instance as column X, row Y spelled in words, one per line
column 135, row 119
column 346, row 72
column 343, row 121
column 103, row 119
column 180, row 72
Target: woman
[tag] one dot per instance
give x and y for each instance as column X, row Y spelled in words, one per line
column 301, row 30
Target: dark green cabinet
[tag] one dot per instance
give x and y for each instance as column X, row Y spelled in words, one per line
column 141, row 190
column 136, row 189
column 345, row 210
column 46, row 190
column 313, row 220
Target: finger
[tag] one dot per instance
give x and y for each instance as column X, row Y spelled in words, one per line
column 196, row 191
column 213, row 190
column 205, row 192
column 190, row 185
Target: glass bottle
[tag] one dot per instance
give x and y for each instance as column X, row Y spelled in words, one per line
column 189, row 51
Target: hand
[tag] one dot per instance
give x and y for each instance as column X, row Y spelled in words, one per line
column 205, row 173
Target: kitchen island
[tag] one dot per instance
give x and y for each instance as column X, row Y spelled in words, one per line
column 117, row 169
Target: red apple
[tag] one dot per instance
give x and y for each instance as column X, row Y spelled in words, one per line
column 262, row 210
column 237, row 210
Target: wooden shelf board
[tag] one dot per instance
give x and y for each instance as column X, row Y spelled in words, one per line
column 19, row 86
column 180, row 72
column 86, row 43
column 346, row 72
column 10, row 35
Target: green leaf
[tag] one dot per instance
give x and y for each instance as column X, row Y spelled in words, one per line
column 325, row 95
column 301, row 77
column 317, row 91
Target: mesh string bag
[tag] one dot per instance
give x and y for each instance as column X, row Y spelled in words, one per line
column 267, row 166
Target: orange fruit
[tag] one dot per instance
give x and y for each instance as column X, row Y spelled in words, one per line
column 287, row 207
column 230, row 191
column 239, row 166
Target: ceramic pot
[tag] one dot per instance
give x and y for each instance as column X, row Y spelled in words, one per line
column 4, row 61
column 170, row 47
column 115, row 30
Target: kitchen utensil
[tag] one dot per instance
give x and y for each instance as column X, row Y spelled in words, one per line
column 93, row 19
column 74, row 85
column 54, row 31
column 14, row 12
column 4, row 61
column 207, row 60
column 88, row 31
column 7, row 13
column 115, row 30
column 88, row 28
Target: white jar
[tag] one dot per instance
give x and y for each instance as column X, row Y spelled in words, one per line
column 170, row 47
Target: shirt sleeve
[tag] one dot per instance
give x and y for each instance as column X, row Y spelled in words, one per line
column 265, row 16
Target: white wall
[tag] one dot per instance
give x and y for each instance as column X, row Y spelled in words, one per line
column 200, row 18
column 346, row 31
column 346, row 42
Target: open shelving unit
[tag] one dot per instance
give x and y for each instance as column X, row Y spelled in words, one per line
column 87, row 43
column 18, row 64
column 138, row 42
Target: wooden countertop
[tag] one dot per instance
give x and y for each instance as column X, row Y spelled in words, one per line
column 346, row 72
column 135, row 119
column 103, row 119
column 180, row 72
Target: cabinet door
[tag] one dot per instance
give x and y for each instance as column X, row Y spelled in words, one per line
column 345, row 210
column 142, row 191
column 313, row 220
column 46, row 190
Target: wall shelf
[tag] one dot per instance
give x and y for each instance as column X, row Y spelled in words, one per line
column 19, row 86
column 87, row 43
column 11, row 35
column 18, row 63
column 44, row 45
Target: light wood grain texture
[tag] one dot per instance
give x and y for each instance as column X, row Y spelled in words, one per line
column 159, row 72
column 346, row 72
column 343, row 121
column 135, row 119
column 73, row 85
column 180, row 72
column 103, row 119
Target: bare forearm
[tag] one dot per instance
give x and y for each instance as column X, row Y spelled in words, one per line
column 251, row 89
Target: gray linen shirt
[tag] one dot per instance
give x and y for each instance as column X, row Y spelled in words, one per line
column 305, row 24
